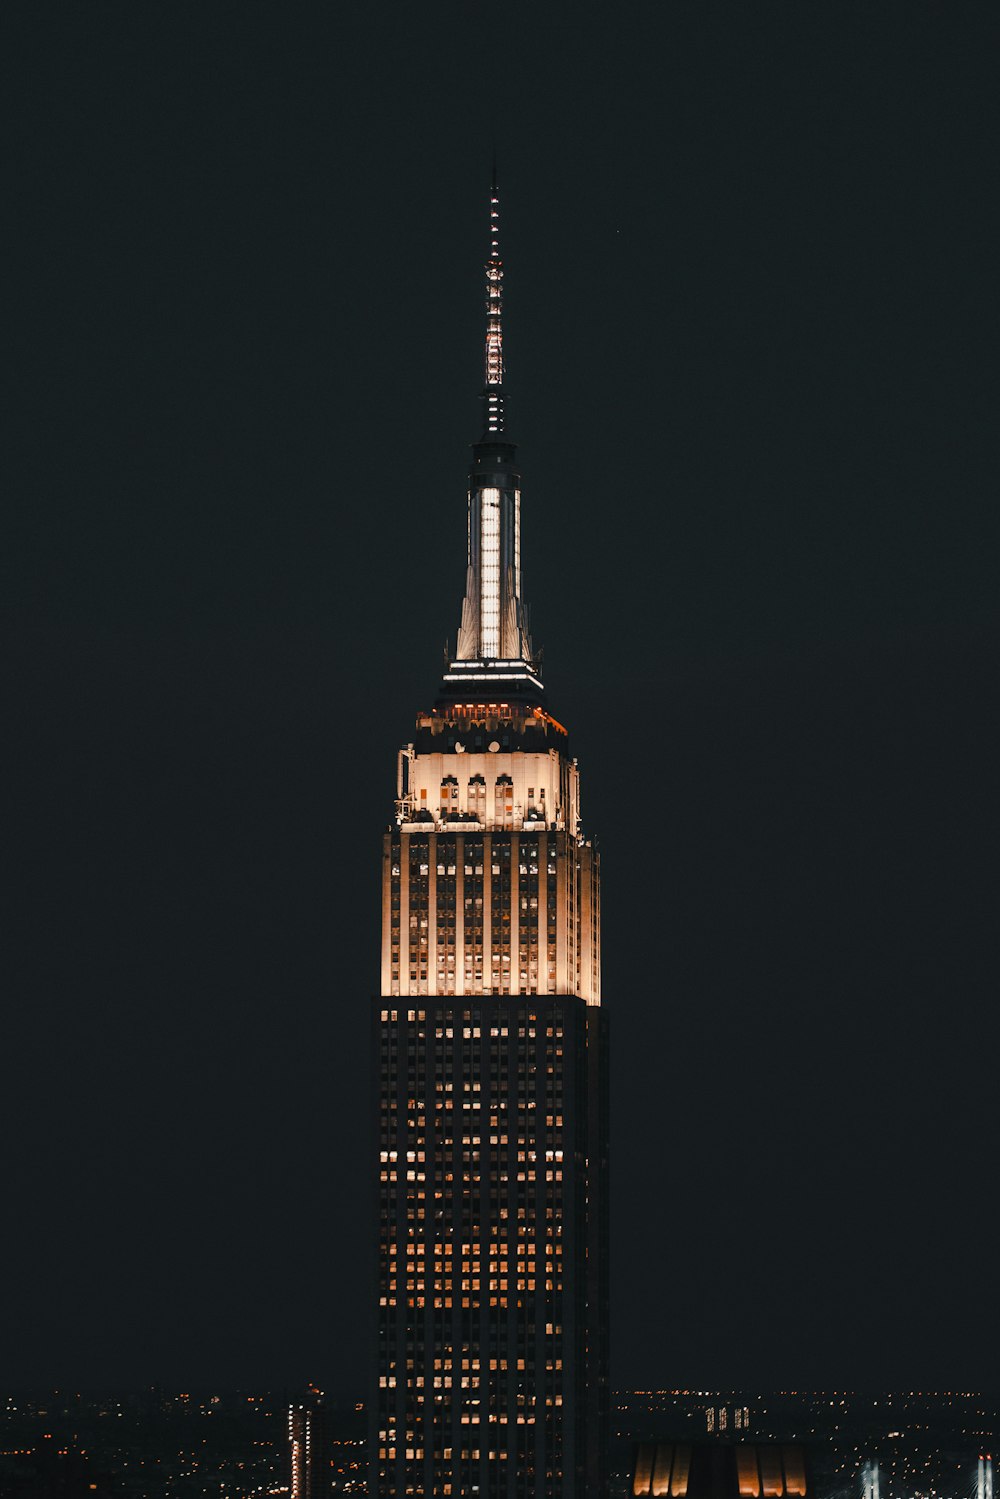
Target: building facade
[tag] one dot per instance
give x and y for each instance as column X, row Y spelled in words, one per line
column 491, row 1057
column 308, row 1449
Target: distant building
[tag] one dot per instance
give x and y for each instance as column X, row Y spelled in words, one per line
column 723, row 1419
column 984, row 1480
column 720, row 1470
column 308, row 1440
column 890, row 1445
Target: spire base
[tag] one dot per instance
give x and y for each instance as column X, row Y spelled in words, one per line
column 492, row 681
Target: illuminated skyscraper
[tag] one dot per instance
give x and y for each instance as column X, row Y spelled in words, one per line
column 491, row 1054
column 308, row 1444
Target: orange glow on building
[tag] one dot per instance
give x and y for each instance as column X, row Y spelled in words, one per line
column 746, row 1468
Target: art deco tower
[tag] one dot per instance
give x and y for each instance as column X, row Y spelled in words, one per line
column 491, row 1057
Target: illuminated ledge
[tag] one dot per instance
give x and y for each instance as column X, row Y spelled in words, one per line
column 533, row 825
column 491, row 671
column 496, row 676
column 494, row 663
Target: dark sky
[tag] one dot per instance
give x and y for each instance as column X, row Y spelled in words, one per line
column 751, row 341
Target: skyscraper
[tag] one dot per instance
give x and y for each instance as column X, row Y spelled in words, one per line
column 491, row 1055
column 307, row 1438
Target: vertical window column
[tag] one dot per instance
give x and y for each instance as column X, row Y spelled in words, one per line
column 460, row 914
column 472, row 913
column 417, row 868
column 445, row 909
column 500, row 914
column 486, row 981
column 514, row 935
column 432, row 915
column 555, row 844
column 390, row 914
column 503, row 802
column 404, row 913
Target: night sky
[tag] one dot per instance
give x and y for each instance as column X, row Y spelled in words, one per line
column 751, row 336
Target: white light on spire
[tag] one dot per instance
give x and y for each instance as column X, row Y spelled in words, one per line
column 489, row 561
column 517, row 545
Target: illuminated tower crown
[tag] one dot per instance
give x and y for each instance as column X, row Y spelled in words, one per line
column 494, row 646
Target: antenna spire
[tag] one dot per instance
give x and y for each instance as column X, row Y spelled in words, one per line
column 494, row 654
column 493, row 389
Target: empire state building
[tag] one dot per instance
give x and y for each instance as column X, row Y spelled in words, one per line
column 491, row 1055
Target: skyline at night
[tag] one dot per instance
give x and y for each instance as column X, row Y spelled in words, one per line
column 748, row 253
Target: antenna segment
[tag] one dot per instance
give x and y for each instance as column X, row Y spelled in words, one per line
column 494, row 330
